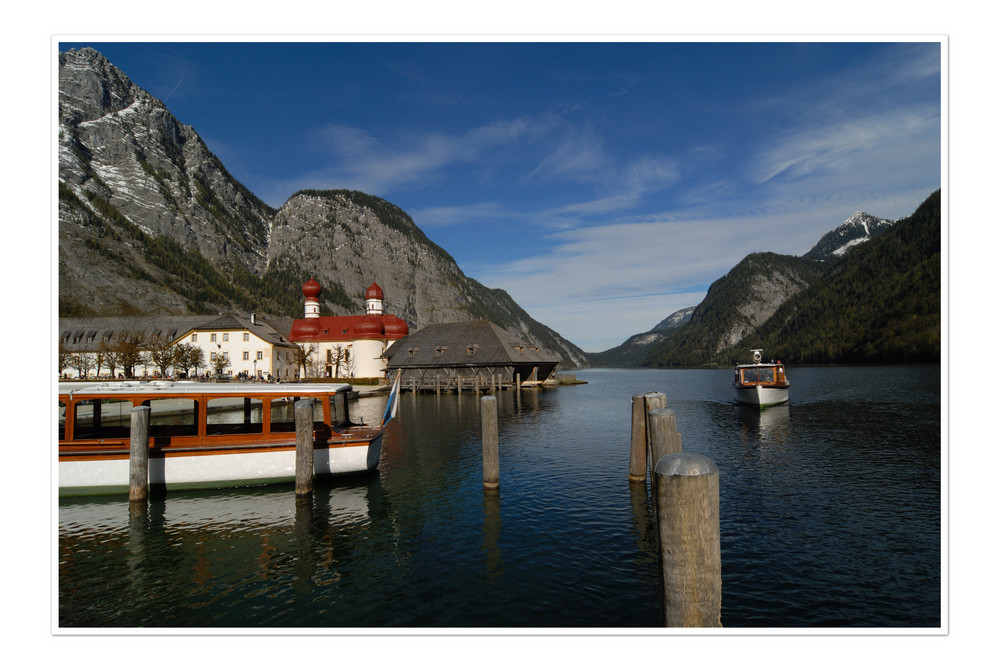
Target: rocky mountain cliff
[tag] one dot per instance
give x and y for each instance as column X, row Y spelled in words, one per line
column 151, row 223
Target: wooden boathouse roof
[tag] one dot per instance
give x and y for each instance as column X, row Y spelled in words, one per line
column 465, row 344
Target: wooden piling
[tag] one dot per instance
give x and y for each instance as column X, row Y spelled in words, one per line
column 662, row 428
column 303, row 447
column 491, row 443
column 138, row 455
column 687, row 493
column 637, row 459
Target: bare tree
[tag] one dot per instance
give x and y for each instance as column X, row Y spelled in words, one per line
column 188, row 356
column 162, row 354
column 82, row 362
column 337, row 357
column 111, row 357
column 220, row 363
column 129, row 348
column 64, row 358
column 304, row 357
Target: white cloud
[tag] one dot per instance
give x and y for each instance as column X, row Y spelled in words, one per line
column 380, row 164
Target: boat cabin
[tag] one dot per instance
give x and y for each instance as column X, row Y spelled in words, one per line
column 760, row 374
column 193, row 412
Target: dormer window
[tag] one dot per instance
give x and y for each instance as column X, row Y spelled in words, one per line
column 413, row 350
column 472, row 348
column 440, row 351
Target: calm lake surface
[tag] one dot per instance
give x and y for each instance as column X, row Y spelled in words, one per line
column 830, row 517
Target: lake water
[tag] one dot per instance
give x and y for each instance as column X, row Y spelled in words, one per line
column 830, row 517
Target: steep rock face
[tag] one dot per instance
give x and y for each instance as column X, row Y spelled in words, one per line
column 347, row 246
column 761, row 283
column 125, row 159
column 348, row 239
column 767, row 286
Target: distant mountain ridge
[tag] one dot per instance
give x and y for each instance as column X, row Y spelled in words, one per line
column 814, row 308
column 151, row 223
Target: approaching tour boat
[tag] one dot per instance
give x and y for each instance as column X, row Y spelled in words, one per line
column 760, row 384
column 206, row 435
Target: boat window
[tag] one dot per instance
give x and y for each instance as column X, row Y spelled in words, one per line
column 102, row 419
column 62, row 420
column 235, row 415
column 758, row 375
column 283, row 413
column 338, row 409
column 172, row 417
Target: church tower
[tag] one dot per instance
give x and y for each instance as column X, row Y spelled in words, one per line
column 373, row 298
column 311, row 291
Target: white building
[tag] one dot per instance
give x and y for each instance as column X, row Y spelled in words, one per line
column 251, row 347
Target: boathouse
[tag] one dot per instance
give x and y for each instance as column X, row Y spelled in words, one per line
column 453, row 356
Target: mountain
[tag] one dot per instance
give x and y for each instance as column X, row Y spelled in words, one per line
column 868, row 291
column 674, row 320
column 880, row 303
column 735, row 306
column 859, row 228
column 151, row 223
column 634, row 350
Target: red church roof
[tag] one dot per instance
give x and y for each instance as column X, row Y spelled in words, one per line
column 311, row 289
column 348, row 328
column 374, row 292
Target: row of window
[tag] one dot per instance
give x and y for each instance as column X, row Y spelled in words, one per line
column 225, row 355
column 214, row 337
column 111, row 418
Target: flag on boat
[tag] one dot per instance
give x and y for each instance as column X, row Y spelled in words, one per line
column 393, row 404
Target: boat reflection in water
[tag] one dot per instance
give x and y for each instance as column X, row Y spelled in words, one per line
column 771, row 427
column 221, row 546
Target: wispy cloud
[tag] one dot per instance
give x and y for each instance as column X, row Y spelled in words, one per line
column 382, row 164
column 455, row 215
column 809, row 151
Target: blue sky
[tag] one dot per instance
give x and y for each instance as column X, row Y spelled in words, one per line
column 604, row 185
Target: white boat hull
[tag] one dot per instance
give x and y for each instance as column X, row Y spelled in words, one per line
column 761, row 396
column 192, row 472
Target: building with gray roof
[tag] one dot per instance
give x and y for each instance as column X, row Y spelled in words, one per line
column 447, row 353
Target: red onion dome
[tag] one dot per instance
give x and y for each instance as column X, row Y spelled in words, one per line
column 305, row 329
column 395, row 327
column 368, row 326
column 311, row 289
column 373, row 292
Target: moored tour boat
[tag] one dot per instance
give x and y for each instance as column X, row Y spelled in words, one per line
column 205, row 435
column 760, row 384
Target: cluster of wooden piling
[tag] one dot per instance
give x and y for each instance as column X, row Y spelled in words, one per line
column 477, row 384
column 686, row 493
